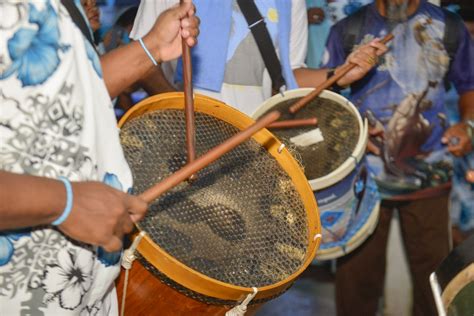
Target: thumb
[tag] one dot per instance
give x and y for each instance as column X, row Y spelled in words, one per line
column 137, row 208
column 372, row 148
column 182, row 10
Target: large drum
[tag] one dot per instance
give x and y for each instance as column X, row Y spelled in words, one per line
column 244, row 229
column 453, row 281
column 333, row 157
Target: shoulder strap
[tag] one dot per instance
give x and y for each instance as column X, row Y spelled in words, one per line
column 264, row 42
column 451, row 32
column 451, row 38
column 78, row 19
column 353, row 33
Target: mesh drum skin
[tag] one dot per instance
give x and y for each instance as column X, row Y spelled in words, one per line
column 247, row 221
column 335, row 166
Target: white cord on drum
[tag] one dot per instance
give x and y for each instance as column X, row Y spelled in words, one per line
column 240, row 309
column 127, row 260
column 124, row 293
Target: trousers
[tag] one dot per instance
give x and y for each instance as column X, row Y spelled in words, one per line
column 360, row 275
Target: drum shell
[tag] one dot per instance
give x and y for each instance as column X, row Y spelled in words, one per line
column 350, row 215
column 348, row 208
column 147, row 295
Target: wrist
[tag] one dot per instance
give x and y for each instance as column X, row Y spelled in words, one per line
column 68, row 204
column 342, row 82
column 151, row 49
column 469, row 123
column 336, row 87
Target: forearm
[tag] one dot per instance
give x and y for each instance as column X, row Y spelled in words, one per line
column 310, row 78
column 466, row 106
column 29, row 201
column 154, row 82
column 124, row 66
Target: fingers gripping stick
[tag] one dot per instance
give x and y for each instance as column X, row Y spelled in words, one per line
column 329, row 82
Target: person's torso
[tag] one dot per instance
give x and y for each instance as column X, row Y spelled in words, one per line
column 405, row 95
column 56, row 119
column 246, row 82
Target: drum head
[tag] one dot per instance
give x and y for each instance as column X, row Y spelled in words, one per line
column 247, row 220
column 333, row 161
column 343, row 135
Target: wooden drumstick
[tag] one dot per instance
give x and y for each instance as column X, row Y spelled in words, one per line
column 189, row 103
column 294, row 123
column 184, row 173
column 329, row 82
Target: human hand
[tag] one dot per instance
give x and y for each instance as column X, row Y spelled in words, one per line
column 457, row 139
column 470, row 176
column 102, row 215
column 365, row 57
column 375, row 142
column 173, row 25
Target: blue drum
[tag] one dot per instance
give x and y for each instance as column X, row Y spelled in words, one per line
column 332, row 154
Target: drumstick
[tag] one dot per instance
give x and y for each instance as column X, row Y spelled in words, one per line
column 294, row 123
column 329, row 82
column 184, row 173
column 188, row 103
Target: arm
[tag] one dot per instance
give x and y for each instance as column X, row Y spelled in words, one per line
column 364, row 58
column 461, row 74
column 155, row 82
column 466, row 106
column 125, row 65
column 310, row 77
column 460, row 130
column 27, row 201
column 18, row 191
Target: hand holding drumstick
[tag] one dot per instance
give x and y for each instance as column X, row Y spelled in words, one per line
column 89, row 211
column 357, row 65
column 101, row 215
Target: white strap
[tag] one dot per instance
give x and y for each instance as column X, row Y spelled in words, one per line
column 127, row 260
column 240, row 310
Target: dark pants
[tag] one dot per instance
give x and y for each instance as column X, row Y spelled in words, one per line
column 426, row 234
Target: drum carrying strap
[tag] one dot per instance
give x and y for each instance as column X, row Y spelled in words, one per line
column 79, row 20
column 264, row 42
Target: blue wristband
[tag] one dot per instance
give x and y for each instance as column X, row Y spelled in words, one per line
column 153, row 60
column 69, row 197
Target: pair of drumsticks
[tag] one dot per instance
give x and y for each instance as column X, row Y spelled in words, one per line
column 194, row 165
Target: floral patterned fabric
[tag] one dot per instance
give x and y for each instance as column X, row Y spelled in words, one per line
column 56, row 119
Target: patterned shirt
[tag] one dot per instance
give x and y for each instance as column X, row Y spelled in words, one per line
column 56, row 119
column 405, row 94
column 247, row 83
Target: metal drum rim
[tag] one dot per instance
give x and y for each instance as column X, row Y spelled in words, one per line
column 190, row 278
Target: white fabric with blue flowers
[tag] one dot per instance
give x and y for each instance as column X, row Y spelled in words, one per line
column 56, row 119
